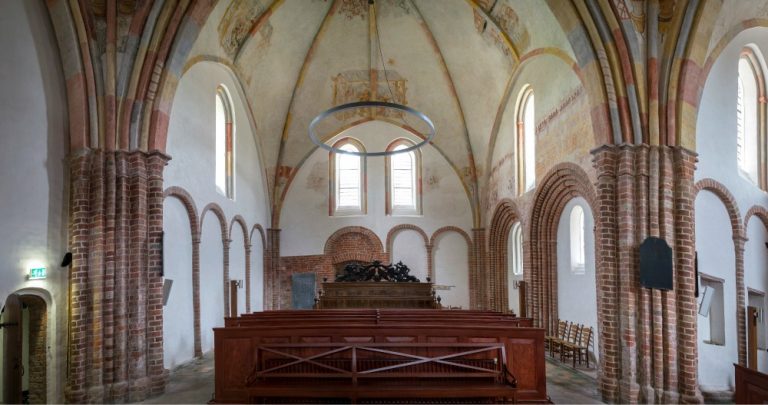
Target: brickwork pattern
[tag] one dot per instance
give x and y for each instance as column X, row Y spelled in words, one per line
column 38, row 348
column 505, row 216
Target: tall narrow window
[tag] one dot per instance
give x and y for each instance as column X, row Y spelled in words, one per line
column 578, row 249
column 225, row 182
column 526, row 142
column 403, row 180
column 348, row 180
column 750, row 112
column 516, row 258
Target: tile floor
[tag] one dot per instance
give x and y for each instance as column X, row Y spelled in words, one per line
column 192, row 383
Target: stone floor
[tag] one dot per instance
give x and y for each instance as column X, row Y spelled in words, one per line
column 192, row 383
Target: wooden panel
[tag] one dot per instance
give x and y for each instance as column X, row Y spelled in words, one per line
column 751, row 386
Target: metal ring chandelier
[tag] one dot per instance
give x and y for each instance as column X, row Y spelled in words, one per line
column 364, row 104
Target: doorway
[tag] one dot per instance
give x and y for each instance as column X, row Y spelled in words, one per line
column 24, row 349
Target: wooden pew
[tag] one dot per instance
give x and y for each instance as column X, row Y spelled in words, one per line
column 336, row 359
column 751, row 386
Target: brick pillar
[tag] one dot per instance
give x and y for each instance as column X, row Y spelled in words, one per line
column 115, row 343
column 627, row 272
column 271, row 266
column 606, row 236
column 430, row 262
column 741, row 298
column 667, row 371
column 478, row 274
column 158, row 375
column 196, row 294
column 685, row 281
column 248, row 278
column 226, row 243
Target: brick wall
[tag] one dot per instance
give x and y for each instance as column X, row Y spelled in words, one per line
column 38, row 348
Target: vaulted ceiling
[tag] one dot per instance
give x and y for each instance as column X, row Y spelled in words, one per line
column 454, row 60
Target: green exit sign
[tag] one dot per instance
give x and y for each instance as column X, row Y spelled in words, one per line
column 37, row 273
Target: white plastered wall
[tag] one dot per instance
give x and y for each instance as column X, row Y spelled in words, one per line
column 716, row 146
column 33, row 170
column 306, row 225
column 191, row 145
column 714, row 244
column 178, row 341
column 577, row 293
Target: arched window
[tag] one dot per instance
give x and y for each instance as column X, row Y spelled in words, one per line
column 526, row 142
column 516, row 250
column 348, row 179
column 225, row 134
column 403, row 180
column 578, row 250
column 750, row 110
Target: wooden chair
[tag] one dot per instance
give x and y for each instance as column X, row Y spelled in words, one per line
column 556, row 344
column 559, row 334
column 580, row 347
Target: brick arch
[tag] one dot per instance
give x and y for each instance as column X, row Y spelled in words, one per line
column 195, row 226
column 739, row 239
column 186, row 199
column 505, row 216
column 447, row 229
column 262, row 235
column 562, row 183
column 239, row 220
column 354, row 243
column 219, row 213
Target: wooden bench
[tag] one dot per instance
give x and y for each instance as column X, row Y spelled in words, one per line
column 294, row 357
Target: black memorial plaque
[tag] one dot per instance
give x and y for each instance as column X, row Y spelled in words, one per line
column 656, row 264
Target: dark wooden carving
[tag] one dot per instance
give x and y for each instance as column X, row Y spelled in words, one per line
column 376, row 271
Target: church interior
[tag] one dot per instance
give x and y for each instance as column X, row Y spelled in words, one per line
column 594, row 198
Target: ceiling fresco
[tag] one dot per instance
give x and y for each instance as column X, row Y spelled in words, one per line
column 454, row 60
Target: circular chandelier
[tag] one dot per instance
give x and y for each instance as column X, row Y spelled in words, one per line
column 367, row 104
column 372, row 105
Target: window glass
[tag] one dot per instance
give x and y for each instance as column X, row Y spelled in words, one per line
column 348, row 178
column 403, row 179
column 578, row 249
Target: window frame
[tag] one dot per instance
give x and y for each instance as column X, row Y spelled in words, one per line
column 752, row 166
column 525, row 134
column 228, row 159
column 334, row 209
column 716, row 314
column 416, row 208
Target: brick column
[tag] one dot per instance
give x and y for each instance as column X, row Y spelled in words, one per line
column 667, row 370
column 271, row 266
column 248, row 278
column 115, row 342
column 430, row 262
column 741, row 298
column 478, row 276
column 226, row 243
column 196, row 294
column 156, row 371
column 627, row 272
column 606, row 236
column 685, row 281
